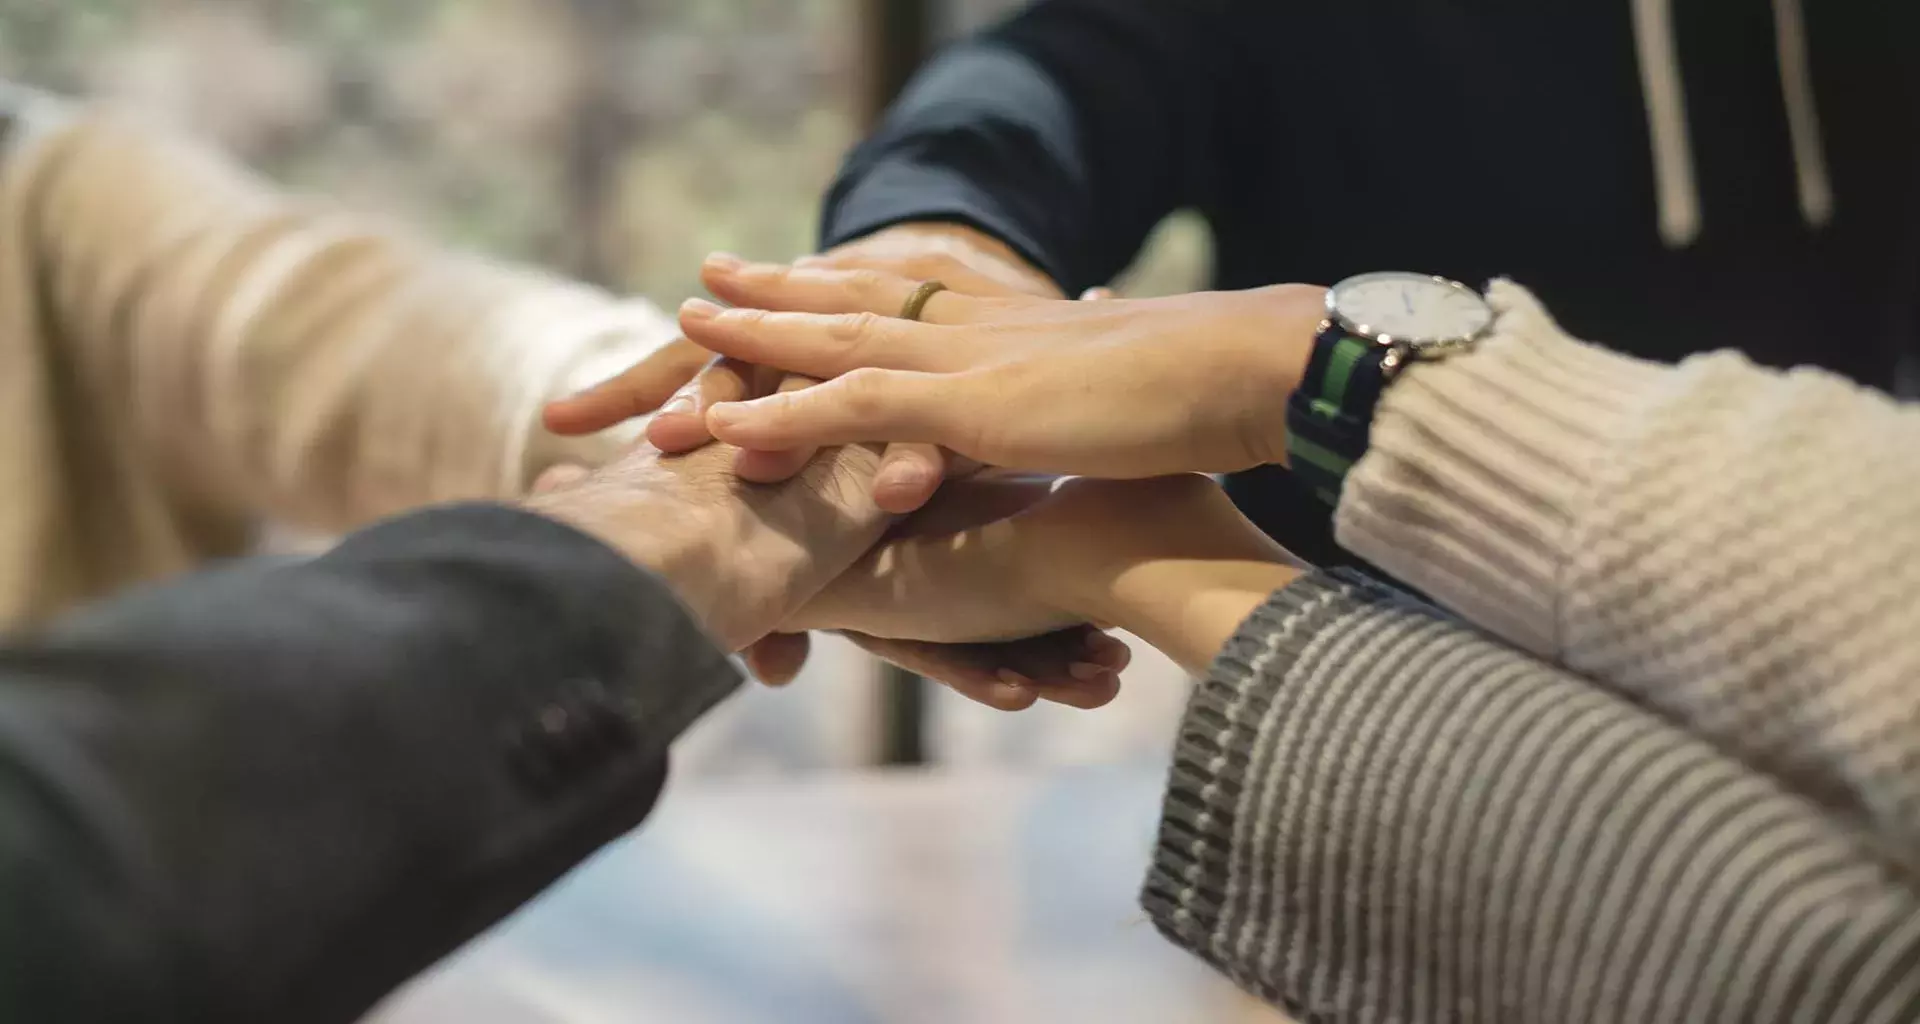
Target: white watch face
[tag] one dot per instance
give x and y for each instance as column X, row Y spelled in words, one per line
column 1413, row 308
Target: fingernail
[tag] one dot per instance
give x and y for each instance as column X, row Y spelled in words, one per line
column 1012, row 678
column 724, row 261
column 700, row 309
column 726, row 414
column 810, row 262
column 678, row 405
column 1087, row 672
column 1111, row 653
column 904, row 473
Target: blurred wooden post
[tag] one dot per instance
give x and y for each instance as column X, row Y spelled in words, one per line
column 895, row 38
column 598, row 134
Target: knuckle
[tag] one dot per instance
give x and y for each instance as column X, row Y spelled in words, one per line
column 863, row 390
column 841, row 477
column 722, row 382
column 866, row 285
column 855, row 328
column 974, row 435
column 934, row 264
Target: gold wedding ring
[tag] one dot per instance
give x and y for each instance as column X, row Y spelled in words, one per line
column 917, row 302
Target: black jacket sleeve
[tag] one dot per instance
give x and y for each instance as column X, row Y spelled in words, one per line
column 1068, row 132
column 275, row 791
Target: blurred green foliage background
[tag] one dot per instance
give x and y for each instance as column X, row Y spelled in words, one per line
column 618, row 140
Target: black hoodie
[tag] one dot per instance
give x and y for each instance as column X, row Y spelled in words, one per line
column 1669, row 175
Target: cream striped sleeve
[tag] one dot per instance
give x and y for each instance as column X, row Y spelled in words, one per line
column 1737, row 549
column 1379, row 814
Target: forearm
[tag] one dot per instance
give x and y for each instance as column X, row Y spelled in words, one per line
column 274, row 792
column 1068, row 133
column 269, row 358
column 1726, row 544
column 1375, row 810
column 1189, row 608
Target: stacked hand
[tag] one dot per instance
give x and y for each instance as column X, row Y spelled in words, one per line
column 1168, row 558
column 991, row 587
column 1191, row 383
column 684, row 380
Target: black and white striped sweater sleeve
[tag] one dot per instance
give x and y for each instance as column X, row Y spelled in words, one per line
column 1379, row 814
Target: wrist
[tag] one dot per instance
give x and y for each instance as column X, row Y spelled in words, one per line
column 669, row 539
column 1169, row 560
column 1189, row 608
column 1185, row 573
column 1297, row 315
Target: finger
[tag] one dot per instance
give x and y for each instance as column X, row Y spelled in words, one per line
column 1061, row 668
column 777, row 465
column 557, row 476
column 636, row 391
column 967, row 669
column 1096, row 661
column 681, row 424
column 819, row 289
column 1108, row 652
column 908, row 476
column 957, row 276
column 1076, row 667
column 1009, row 676
column 823, row 345
column 777, row 658
column 1090, row 694
column 867, row 405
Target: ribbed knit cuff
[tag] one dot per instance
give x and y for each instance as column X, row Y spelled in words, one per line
column 1186, row 887
column 1480, row 465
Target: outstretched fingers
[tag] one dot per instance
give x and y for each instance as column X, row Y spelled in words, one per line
column 863, row 406
column 818, row 288
column 824, row 345
column 635, row 391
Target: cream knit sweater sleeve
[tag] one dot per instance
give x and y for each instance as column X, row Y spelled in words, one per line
column 1735, row 548
column 295, row 359
column 186, row 352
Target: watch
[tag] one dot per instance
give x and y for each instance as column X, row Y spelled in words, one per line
column 1377, row 324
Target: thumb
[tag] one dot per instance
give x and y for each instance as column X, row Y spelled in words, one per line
column 635, row 391
column 863, row 406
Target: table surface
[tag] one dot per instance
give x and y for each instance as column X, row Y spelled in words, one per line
column 924, row 897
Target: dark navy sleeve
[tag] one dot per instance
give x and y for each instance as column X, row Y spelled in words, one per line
column 1067, row 132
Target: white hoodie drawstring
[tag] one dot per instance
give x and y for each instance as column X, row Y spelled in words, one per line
column 1674, row 188
column 1803, row 115
column 1676, row 191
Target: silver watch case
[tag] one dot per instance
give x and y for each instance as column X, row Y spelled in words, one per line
column 1405, row 349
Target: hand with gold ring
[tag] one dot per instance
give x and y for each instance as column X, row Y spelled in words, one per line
column 917, row 300
column 1119, row 389
column 965, row 260
column 909, row 473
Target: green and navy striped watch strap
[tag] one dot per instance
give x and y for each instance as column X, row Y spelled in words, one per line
column 1329, row 418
